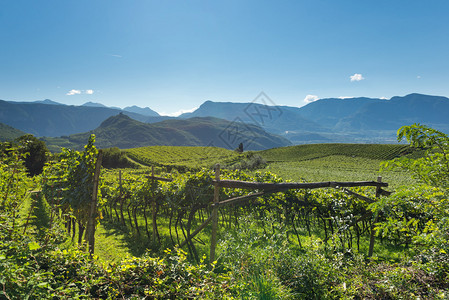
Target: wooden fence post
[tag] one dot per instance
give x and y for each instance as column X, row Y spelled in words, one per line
column 93, row 205
column 153, row 213
column 213, row 240
column 373, row 232
column 378, row 189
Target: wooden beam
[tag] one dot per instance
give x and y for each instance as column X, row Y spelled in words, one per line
column 372, row 237
column 293, row 185
column 238, row 199
column 213, row 239
column 191, row 236
column 90, row 227
column 361, row 197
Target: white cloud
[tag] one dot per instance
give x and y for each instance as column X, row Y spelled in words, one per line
column 418, row 77
column 179, row 112
column 73, row 92
column 310, row 98
column 356, row 77
column 345, row 97
column 79, row 92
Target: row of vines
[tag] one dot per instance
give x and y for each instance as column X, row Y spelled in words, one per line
column 296, row 244
column 142, row 204
column 184, row 202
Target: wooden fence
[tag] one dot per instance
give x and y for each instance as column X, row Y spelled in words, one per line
column 269, row 188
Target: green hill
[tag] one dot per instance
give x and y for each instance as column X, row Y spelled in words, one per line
column 315, row 151
column 123, row 132
column 338, row 162
column 182, row 157
column 8, row 133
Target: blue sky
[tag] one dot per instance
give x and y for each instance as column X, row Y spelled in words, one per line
column 174, row 55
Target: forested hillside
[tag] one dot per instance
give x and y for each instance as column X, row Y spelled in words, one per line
column 123, row 132
column 8, row 133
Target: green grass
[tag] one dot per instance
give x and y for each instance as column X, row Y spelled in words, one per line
column 182, row 157
column 115, row 241
column 338, row 168
column 110, row 244
column 314, row 151
column 338, row 162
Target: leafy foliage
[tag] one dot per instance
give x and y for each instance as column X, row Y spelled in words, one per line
column 115, row 158
column 36, row 153
column 68, row 183
column 30, row 270
column 252, row 161
column 14, row 186
column 294, row 244
column 433, row 167
column 33, row 151
column 421, row 212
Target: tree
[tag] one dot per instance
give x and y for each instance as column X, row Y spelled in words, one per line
column 35, row 152
column 433, row 167
column 420, row 212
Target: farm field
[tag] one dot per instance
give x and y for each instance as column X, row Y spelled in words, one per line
column 347, row 162
column 314, row 151
column 312, row 163
column 155, row 237
column 182, row 157
column 339, row 167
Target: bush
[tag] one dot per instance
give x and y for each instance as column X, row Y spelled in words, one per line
column 251, row 162
column 115, row 158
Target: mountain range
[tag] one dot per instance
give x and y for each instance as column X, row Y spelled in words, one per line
column 124, row 132
column 338, row 120
column 325, row 120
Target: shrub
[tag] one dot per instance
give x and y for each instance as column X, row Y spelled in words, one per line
column 115, row 158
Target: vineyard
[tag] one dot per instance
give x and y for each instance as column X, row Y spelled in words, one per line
column 315, row 151
column 347, row 162
column 182, row 158
column 222, row 233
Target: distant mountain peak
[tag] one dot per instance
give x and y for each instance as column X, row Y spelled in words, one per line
column 49, row 102
column 146, row 111
column 418, row 97
column 93, row 104
column 121, row 117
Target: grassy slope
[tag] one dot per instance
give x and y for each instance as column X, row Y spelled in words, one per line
column 8, row 133
column 336, row 162
column 314, row 151
column 315, row 162
column 182, row 157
